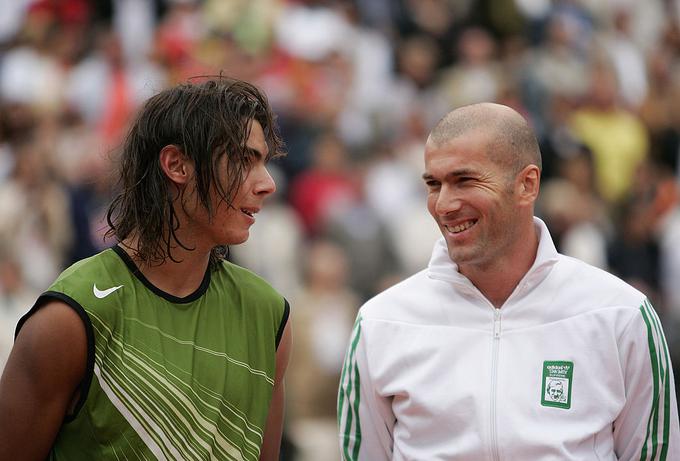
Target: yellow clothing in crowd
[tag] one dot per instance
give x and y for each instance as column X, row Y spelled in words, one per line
column 619, row 143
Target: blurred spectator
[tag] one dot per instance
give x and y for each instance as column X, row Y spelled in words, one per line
column 661, row 109
column 557, row 140
column 106, row 89
column 667, row 204
column 356, row 228
column 86, row 169
column 368, row 113
column 249, row 22
column 326, row 186
column 31, row 73
column 617, row 137
column 627, row 59
column 179, row 37
column 503, row 17
column 414, row 82
column 436, row 20
column 392, row 171
column 634, row 253
column 570, row 205
column 15, row 299
column 476, row 76
column 556, row 68
column 12, row 18
column 323, row 313
column 417, row 60
column 669, row 236
column 309, row 97
column 646, row 18
column 395, row 192
column 34, row 226
column 533, row 10
column 312, row 30
column 135, row 23
column 379, row 15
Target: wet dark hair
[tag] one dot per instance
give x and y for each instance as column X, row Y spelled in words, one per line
column 207, row 119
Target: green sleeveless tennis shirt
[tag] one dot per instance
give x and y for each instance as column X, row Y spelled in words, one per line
column 169, row 378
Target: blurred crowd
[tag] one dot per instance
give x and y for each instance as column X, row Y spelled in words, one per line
column 356, row 84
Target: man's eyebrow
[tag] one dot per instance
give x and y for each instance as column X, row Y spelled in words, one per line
column 462, row 172
column 452, row 174
column 254, row 152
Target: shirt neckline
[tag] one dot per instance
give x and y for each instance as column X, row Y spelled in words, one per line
column 202, row 288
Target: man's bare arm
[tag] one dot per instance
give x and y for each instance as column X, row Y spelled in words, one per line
column 274, row 428
column 40, row 381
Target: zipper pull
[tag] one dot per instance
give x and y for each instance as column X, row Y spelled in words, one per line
column 497, row 323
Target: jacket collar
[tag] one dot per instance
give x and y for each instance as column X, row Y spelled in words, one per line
column 441, row 267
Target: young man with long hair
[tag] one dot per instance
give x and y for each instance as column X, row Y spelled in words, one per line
column 158, row 347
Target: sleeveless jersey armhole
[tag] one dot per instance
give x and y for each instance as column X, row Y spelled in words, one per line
column 284, row 321
column 84, row 385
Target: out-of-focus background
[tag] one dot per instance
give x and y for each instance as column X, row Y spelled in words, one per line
column 357, row 85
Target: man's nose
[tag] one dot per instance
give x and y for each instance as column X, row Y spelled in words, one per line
column 264, row 184
column 448, row 201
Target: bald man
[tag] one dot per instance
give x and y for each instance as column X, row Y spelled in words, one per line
column 460, row 361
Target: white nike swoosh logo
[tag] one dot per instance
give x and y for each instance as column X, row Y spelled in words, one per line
column 104, row 293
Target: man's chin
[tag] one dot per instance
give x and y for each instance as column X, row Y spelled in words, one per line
column 237, row 239
column 461, row 257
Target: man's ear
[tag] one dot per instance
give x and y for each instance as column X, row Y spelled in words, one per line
column 175, row 165
column 529, row 184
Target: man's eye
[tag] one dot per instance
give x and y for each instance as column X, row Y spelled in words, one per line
column 250, row 159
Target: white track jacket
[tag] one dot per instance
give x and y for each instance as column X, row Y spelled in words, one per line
column 574, row 366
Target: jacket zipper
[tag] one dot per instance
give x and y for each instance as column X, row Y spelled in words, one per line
column 494, row 377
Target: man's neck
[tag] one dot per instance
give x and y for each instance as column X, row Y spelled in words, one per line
column 499, row 278
column 180, row 278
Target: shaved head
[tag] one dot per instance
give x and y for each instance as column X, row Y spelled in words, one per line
column 511, row 141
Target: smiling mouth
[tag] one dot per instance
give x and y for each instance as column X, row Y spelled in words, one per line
column 248, row 212
column 457, row 229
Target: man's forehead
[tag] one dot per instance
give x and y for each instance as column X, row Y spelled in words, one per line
column 468, row 145
column 257, row 139
column 473, row 136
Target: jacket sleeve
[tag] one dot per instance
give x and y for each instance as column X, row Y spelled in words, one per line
column 365, row 419
column 647, row 427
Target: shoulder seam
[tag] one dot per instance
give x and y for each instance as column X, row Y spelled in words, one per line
column 283, row 323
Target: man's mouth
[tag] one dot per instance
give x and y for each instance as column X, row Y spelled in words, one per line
column 249, row 211
column 458, row 228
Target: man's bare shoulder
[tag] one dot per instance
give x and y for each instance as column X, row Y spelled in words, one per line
column 52, row 341
column 41, row 379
